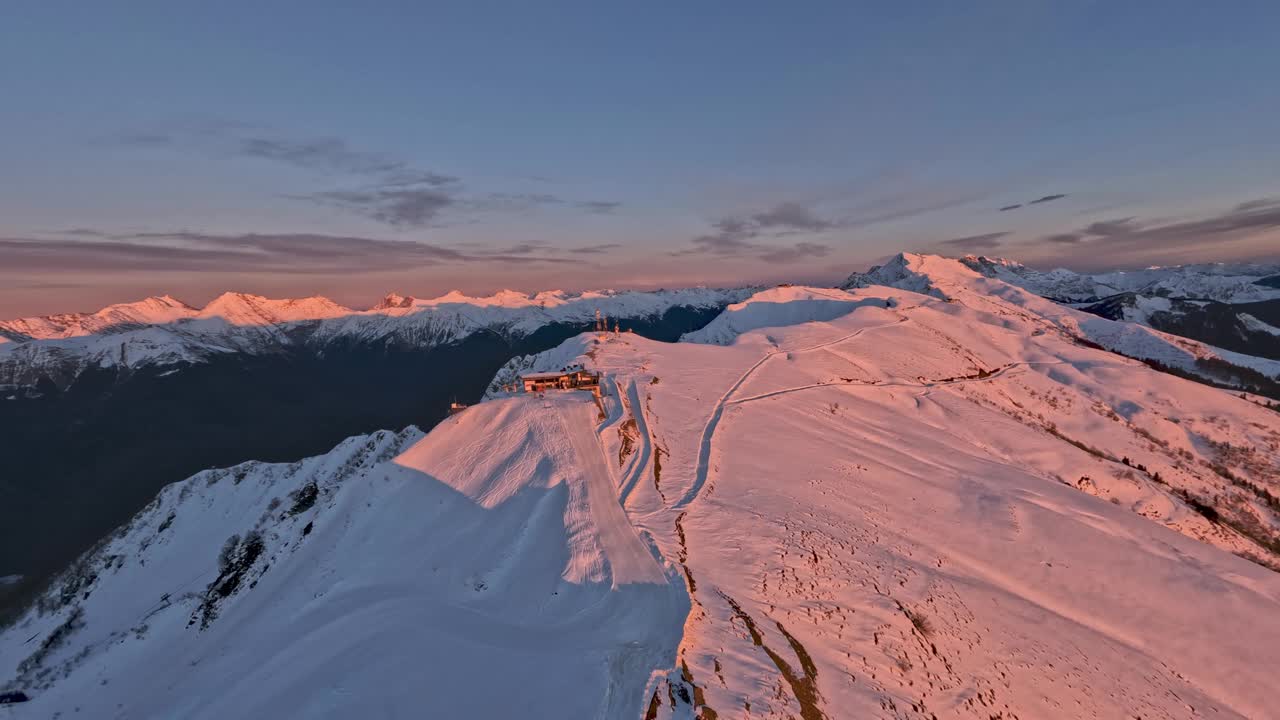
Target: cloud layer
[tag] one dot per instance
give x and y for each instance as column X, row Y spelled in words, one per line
column 742, row 235
column 1037, row 201
column 380, row 187
column 1128, row 235
column 290, row 253
column 986, row 241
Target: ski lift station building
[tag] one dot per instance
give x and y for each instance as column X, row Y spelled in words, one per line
column 574, row 379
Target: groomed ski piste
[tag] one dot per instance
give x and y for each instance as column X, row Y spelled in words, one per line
column 826, row 504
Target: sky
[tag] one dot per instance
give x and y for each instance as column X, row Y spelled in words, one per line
column 355, row 149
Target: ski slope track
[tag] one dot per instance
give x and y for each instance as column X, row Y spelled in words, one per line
column 935, row 503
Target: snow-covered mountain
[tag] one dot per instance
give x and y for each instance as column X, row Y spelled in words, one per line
column 1251, row 328
column 151, row 311
column 1218, row 304
column 163, row 331
column 956, row 280
column 877, row 502
column 1222, row 282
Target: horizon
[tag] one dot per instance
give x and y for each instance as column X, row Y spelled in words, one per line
column 368, row 304
column 568, row 146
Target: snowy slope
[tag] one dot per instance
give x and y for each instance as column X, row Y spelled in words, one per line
column 836, row 483
column 162, row 331
column 229, row 308
column 1259, row 326
column 954, row 280
column 1201, row 302
column 485, row 571
column 777, row 307
column 921, row 507
column 151, row 311
column 1224, row 282
column 932, row 510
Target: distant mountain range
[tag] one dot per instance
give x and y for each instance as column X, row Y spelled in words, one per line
column 1220, row 282
column 162, row 331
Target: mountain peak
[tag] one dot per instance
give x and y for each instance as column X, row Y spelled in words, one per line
column 976, row 261
column 394, row 300
column 896, row 271
column 154, row 310
column 239, row 308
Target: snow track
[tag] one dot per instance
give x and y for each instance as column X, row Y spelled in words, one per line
column 709, row 430
column 925, row 385
column 630, row 560
column 641, row 462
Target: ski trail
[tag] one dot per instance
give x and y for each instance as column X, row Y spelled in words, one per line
column 641, row 461
column 657, row 619
column 629, row 558
column 708, row 431
column 1000, row 372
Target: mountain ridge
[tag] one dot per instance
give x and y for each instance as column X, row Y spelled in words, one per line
column 1222, row 282
column 957, row 280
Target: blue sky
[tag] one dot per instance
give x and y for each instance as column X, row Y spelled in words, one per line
column 298, row 148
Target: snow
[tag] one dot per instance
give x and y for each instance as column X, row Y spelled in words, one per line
column 776, row 307
column 1144, row 306
column 1256, row 325
column 955, row 280
column 877, row 502
column 150, row 311
column 244, row 309
column 829, row 480
column 437, row 575
column 239, row 322
column 834, row 485
column 455, row 315
column 1224, row 282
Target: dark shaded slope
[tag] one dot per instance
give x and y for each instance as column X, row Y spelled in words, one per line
column 1215, row 323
